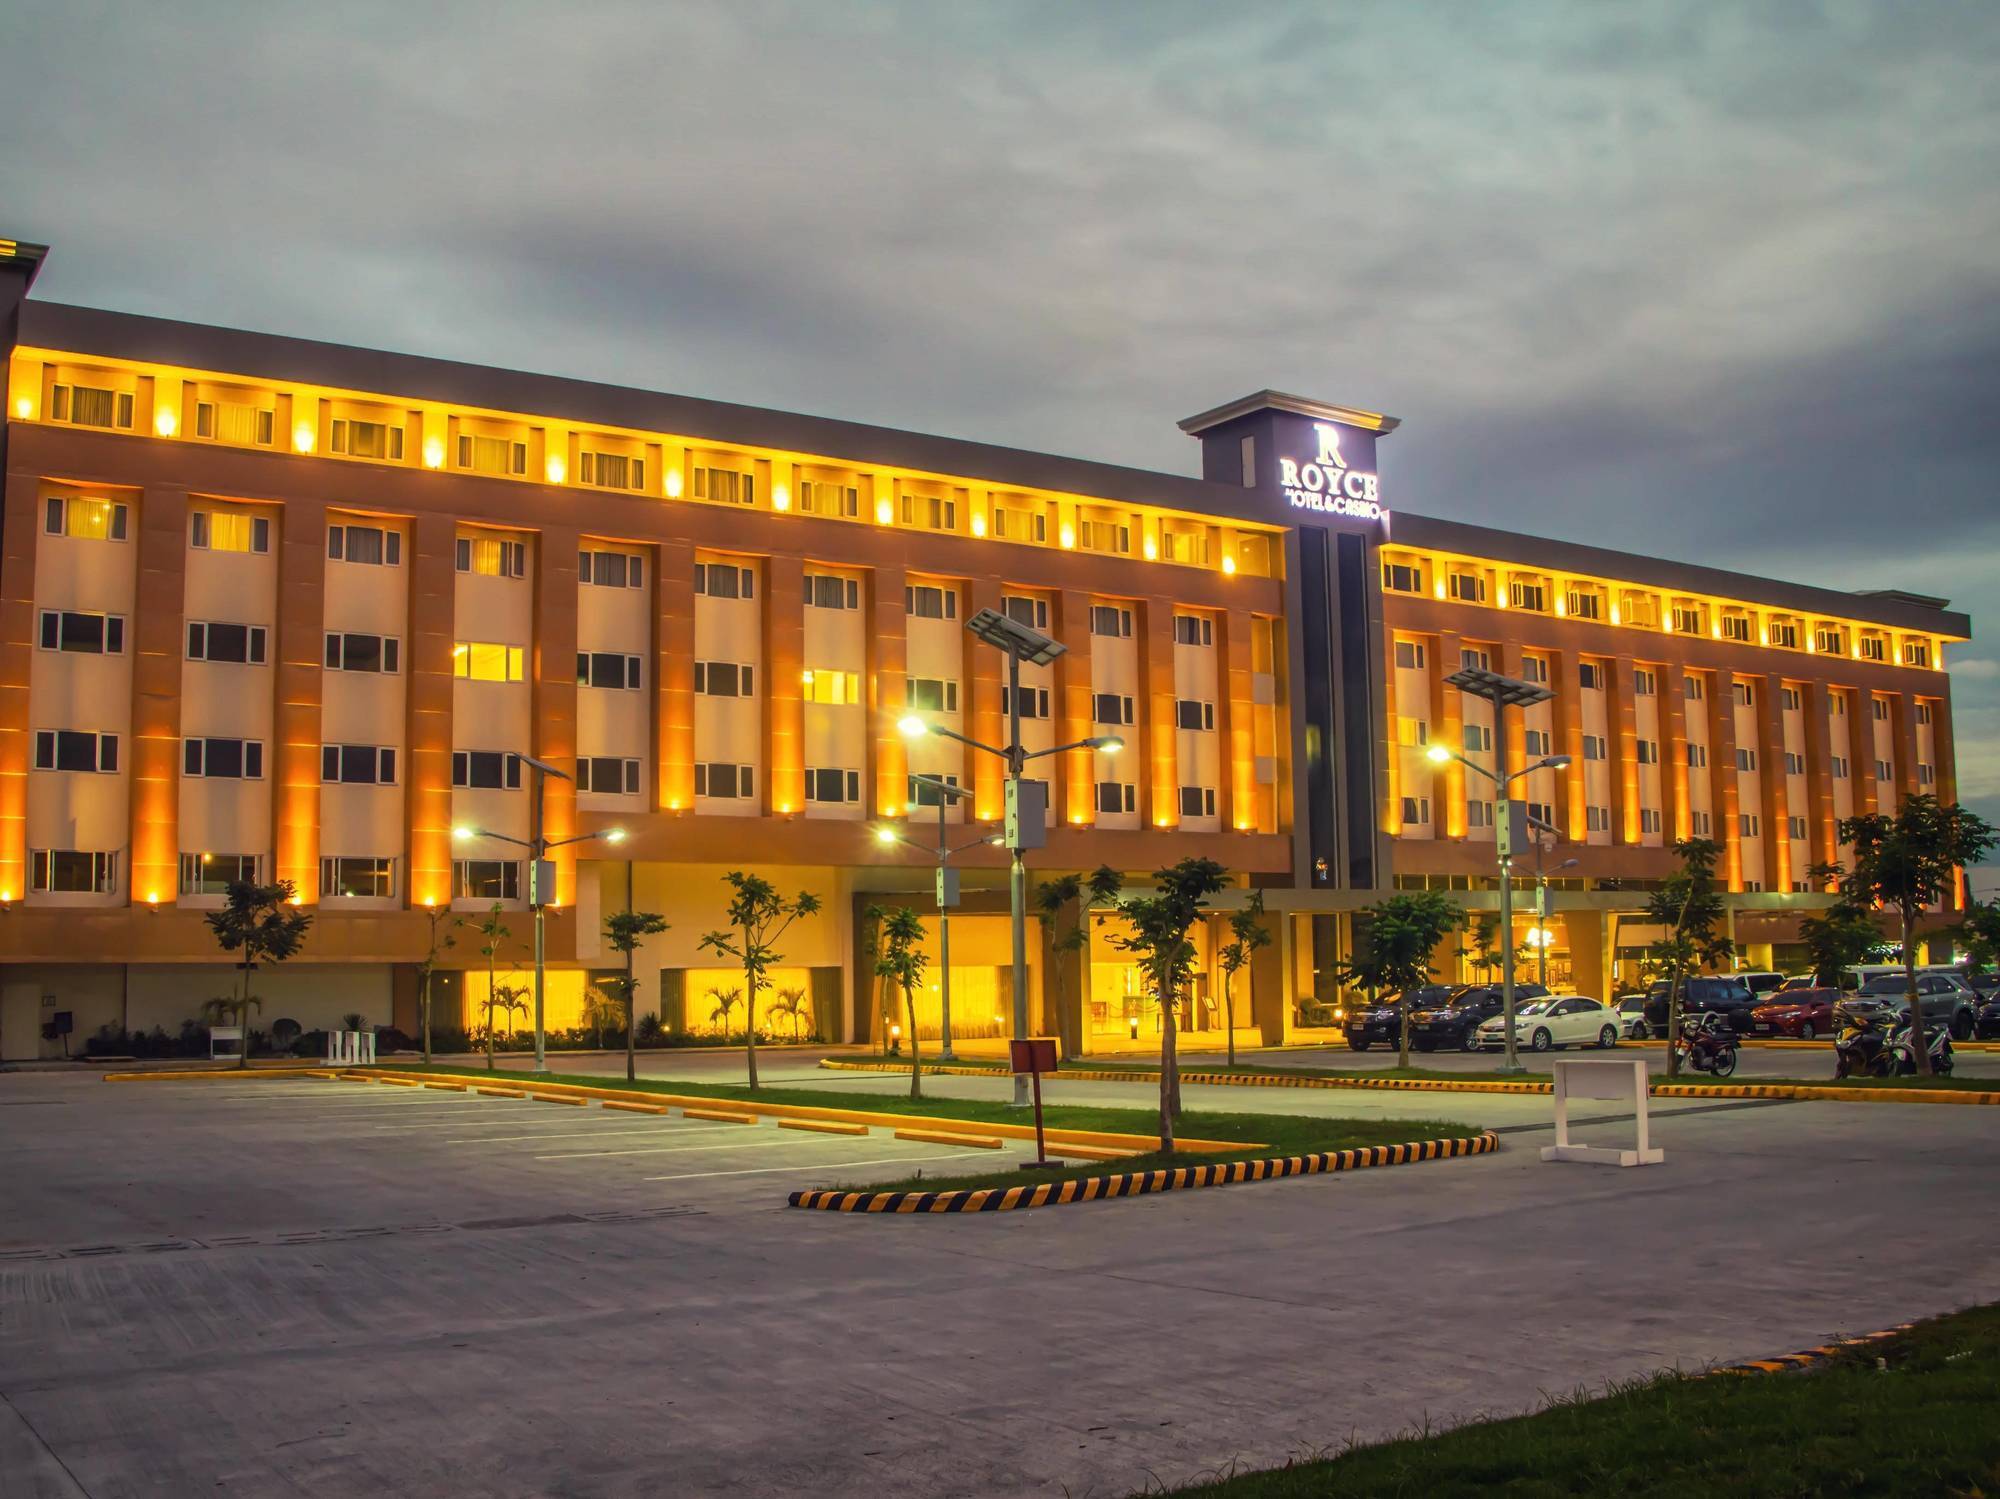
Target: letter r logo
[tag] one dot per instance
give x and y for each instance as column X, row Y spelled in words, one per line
column 1329, row 445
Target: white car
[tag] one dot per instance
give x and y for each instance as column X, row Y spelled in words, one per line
column 1560, row 1020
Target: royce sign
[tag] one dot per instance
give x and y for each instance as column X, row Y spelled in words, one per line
column 1325, row 482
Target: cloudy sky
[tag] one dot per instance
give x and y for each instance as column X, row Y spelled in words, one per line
column 1711, row 282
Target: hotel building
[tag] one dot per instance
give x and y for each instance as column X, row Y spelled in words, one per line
column 284, row 610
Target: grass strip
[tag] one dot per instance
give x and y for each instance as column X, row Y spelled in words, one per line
column 1920, row 1422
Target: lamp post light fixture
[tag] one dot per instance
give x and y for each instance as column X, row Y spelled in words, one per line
column 1026, row 823
column 947, row 889
column 1503, row 693
column 541, row 880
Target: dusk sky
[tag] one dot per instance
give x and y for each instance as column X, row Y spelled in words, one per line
column 1721, row 284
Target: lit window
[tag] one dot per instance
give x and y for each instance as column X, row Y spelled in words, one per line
column 487, row 661
column 85, row 518
column 65, row 871
column 225, row 531
column 344, row 876
column 491, row 557
column 213, row 874
column 833, row 689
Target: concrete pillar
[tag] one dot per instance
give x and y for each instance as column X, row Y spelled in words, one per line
column 1587, row 968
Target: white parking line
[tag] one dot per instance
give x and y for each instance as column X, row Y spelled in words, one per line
column 885, row 1160
column 571, row 1155
column 677, row 1132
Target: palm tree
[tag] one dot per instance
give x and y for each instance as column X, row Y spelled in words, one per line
column 722, row 1001
column 790, row 1002
column 507, row 998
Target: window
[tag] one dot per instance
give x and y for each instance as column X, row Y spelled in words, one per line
column 367, row 439
column 1467, row 588
column 1526, row 594
column 1649, row 819
column 1693, row 689
column 1735, row 626
column 1884, row 771
column 1412, row 733
column 210, row 641
column 491, row 455
column 1109, row 620
column 223, row 759
column 1537, row 742
column 68, row 871
column 609, row 570
column 724, row 580
column 1645, row 682
column 1475, row 660
column 1926, row 774
column 614, row 669
column 486, row 879
column 345, row 652
column 490, row 557
column 1745, row 694
column 1403, row 577
column 1479, row 814
column 1409, row 654
column 492, row 770
column 1597, row 819
column 1795, row 763
column 1477, row 738
column 725, row 485
column 604, row 775
column 1830, row 640
column 1590, row 676
column 1874, row 648
column 1688, row 619
column 931, row 694
column 486, row 661
column 921, row 601
column 1788, row 699
column 1034, row 701
column 1541, row 812
column 1880, row 707
column 833, row 785
column 72, row 749
column 239, row 422
column 1649, row 751
column 1783, row 632
column 1116, row 796
column 1110, row 707
column 1193, row 629
column 1795, row 828
column 222, row 531
column 922, row 794
column 84, row 518
column 1416, row 811
column 933, row 512
column 1916, row 653
column 1840, row 767
column 345, row 876
column 91, row 406
column 1923, row 712
column 213, row 874
column 1593, row 747
column 1034, row 613
column 1836, row 705
column 1635, row 608
column 1534, row 668
column 1700, row 824
column 610, row 470
column 834, row 689
column 1747, row 825
column 1190, row 713
column 371, row 544
column 723, row 679
column 1583, row 603
column 819, row 498
column 1103, row 536
column 712, row 778
column 1020, row 525
column 1197, row 801
column 1697, row 756
column 85, row 634
column 825, row 591
column 358, row 764
column 1746, row 759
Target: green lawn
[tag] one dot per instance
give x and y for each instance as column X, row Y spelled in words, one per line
column 1925, row 1424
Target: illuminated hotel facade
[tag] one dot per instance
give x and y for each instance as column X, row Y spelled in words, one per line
column 284, row 610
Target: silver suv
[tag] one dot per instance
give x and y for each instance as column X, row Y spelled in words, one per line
column 1945, row 1000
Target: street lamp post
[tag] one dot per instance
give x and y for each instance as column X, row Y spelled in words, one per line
column 1026, row 816
column 1502, row 693
column 541, row 877
column 947, row 893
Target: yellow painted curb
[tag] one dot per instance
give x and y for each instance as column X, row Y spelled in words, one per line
column 1140, row 1183
column 818, row 1126
column 635, row 1108
column 559, row 1098
column 941, row 1137
column 447, row 1087
column 399, row 1082
column 194, row 1074
column 1090, row 1153
column 499, row 1092
column 1806, row 1358
column 717, row 1116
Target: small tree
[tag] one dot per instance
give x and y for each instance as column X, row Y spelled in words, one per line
column 443, row 927
column 1844, row 934
column 721, row 1002
column 1248, row 934
column 1160, row 923
column 1909, row 862
column 758, row 917
column 1688, row 908
column 1978, row 932
column 1402, row 933
column 902, row 962
column 495, row 931
column 506, row 998
column 624, row 930
column 790, row 1003
column 262, row 922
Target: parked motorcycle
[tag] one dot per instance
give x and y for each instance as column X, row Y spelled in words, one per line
column 1861, row 1047
column 1708, row 1044
column 1902, row 1055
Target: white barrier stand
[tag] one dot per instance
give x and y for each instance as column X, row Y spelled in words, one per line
column 1622, row 1081
column 350, row 1048
column 225, row 1036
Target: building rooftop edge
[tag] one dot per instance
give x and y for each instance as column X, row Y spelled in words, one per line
column 1277, row 400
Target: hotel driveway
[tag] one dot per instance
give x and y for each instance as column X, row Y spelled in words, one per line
column 303, row 1288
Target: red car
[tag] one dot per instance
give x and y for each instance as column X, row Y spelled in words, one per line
column 1804, row 1013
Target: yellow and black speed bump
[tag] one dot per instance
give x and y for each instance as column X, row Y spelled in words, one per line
column 1140, row 1183
column 1807, row 1358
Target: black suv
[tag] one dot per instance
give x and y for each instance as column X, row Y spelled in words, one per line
column 1454, row 1023
column 1369, row 1025
column 1728, row 997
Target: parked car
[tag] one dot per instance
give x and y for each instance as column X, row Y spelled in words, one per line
column 1804, row 1013
column 1945, row 998
column 1454, row 1024
column 1800, row 981
column 1729, row 997
column 1986, row 1022
column 1762, row 982
column 1632, row 1018
column 1559, row 1020
column 1382, row 1024
column 1985, row 985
